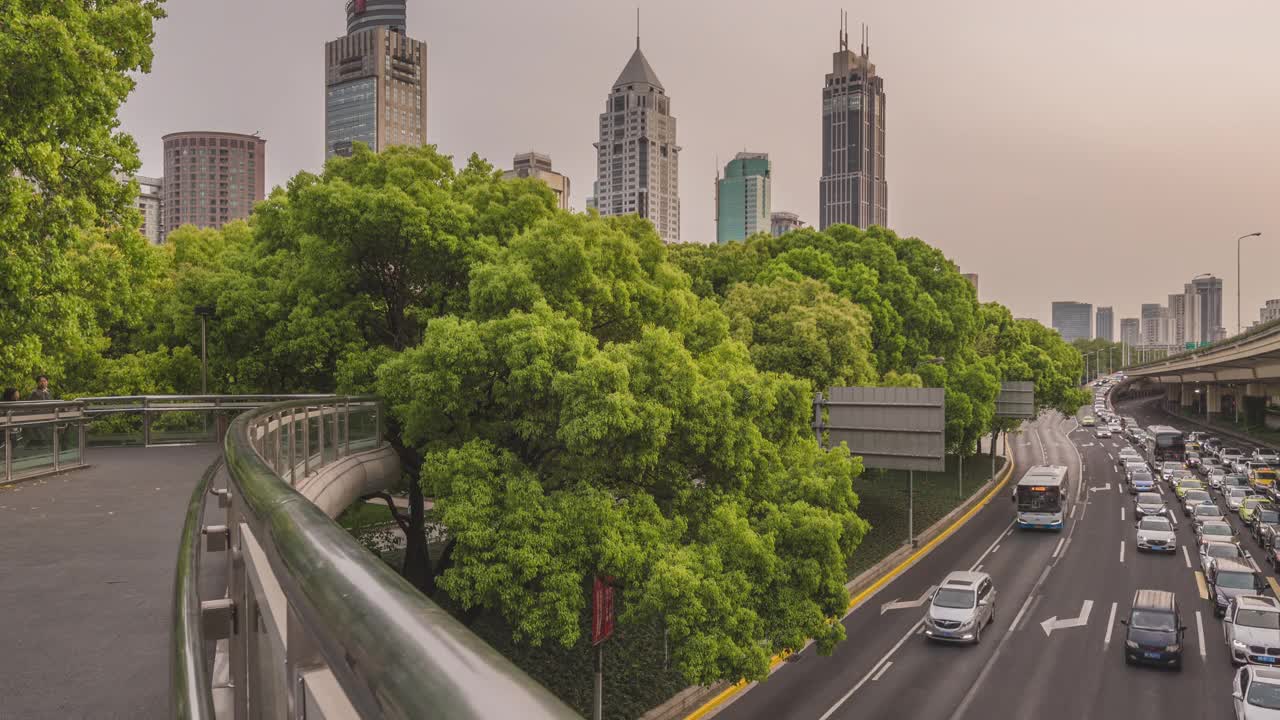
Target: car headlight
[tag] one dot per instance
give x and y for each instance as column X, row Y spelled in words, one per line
column 1131, row 644
column 1172, row 648
column 1239, row 645
column 1220, row 598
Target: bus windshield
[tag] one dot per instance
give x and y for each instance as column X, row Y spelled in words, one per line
column 1039, row 499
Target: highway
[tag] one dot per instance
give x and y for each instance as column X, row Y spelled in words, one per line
column 1026, row 664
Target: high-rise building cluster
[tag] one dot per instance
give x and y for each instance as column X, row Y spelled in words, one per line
column 375, row 80
column 1187, row 319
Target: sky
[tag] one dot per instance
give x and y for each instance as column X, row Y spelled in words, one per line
column 1103, row 151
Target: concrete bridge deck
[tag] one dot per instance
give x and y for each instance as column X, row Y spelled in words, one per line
column 86, row 584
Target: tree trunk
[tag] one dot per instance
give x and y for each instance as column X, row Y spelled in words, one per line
column 417, row 558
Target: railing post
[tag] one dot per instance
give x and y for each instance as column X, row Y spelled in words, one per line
column 346, row 429
column 275, row 457
column 57, row 454
column 146, row 422
column 83, row 433
column 377, row 424
column 293, row 465
column 306, row 441
column 321, row 421
column 8, row 447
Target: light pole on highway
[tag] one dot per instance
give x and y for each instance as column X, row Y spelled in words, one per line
column 1239, row 319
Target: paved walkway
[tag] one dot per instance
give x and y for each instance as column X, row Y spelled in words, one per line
column 86, row 584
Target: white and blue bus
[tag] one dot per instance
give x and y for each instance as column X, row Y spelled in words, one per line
column 1041, row 497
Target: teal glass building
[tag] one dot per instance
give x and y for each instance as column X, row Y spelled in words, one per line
column 742, row 197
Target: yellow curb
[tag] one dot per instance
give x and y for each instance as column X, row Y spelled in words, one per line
column 737, row 687
column 1274, row 587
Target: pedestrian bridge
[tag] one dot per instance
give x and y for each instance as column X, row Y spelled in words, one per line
column 177, row 557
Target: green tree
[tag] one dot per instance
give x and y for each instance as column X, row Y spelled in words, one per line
column 65, row 68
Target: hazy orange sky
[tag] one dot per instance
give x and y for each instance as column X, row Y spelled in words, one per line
column 1100, row 151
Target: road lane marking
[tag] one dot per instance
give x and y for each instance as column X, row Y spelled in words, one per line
column 1274, row 587
column 1121, row 551
column 1059, row 548
column 1072, row 514
column 1111, row 621
column 883, row 668
column 995, row 549
column 908, row 604
column 1119, row 489
column 978, row 569
column 1121, row 514
column 1204, row 589
column 874, row 669
column 1200, row 633
column 1081, row 620
column 1032, row 599
column 1187, row 556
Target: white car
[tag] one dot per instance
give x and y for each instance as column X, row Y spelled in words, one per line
column 1102, row 432
column 1255, row 693
column 1234, row 496
column 1219, row 550
column 1252, row 630
column 1155, row 533
column 1115, row 428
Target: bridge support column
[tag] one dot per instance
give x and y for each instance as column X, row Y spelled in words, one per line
column 1188, row 400
column 1253, row 407
column 1214, row 397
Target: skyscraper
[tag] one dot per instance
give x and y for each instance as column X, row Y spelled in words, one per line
column 1073, row 320
column 1155, row 325
column 853, row 188
column 1130, row 331
column 150, row 204
column 538, row 166
column 973, row 280
column 742, row 197
column 211, row 178
column 638, row 160
column 375, row 81
column 1105, row 327
column 1208, row 290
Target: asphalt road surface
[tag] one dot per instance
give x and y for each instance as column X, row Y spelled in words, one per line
column 1088, row 574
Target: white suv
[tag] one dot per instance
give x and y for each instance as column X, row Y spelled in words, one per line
column 1252, row 630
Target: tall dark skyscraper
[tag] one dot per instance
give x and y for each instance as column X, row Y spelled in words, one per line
column 853, row 188
column 1105, row 325
column 1073, row 320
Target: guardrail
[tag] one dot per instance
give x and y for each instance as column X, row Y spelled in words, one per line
column 313, row 625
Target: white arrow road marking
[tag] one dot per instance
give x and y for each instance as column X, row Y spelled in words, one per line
column 907, row 604
column 1104, row 487
column 1111, row 623
column 1054, row 623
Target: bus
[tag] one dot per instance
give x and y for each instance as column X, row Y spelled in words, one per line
column 1165, row 443
column 1041, row 497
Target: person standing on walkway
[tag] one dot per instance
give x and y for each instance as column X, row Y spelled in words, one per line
column 42, row 389
column 11, row 395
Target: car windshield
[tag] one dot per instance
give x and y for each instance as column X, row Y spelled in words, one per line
column 1269, row 516
column 1190, row 485
column 1264, row 695
column 1222, row 550
column 1141, row 476
column 1258, row 619
column 1149, row 498
column 1216, row 529
column 1172, row 466
column 1253, row 501
column 1155, row 523
column 1208, row 509
column 951, row 598
column 1153, row 620
column 1235, row 580
column 1237, row 492
column 1200, row 495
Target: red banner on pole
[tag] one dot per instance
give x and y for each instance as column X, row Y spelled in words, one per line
column 601, row 610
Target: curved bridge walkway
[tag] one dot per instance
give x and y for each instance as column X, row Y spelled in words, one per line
column 86, row 583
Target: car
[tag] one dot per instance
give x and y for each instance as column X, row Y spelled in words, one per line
column 1220, row 550
column 1193, row 460
column 1154, row 629
column 1149, row 504
column 1234, row 496
column 1168, row 467
column 1262, row 478
column 1207, row 463
column 1255, row 693
column 1129, row 422
column 1229, row 455
column 1251, row 628
column 1194, row 436
column 1102, row 432
column 1141, row 481
column 1206, row 511
column 1114, row 426
column 1127, row 455
column 1214, row 477
column 1264, row 523
column 1192, row 499
column 1156, row 534
column 1270, row 456
column 1088, row 421
column 1236, row 480
column 1215, row 530
column 1186, row 484
column 1211, row 445
column 1229, row 579
column 961, row 607
column 1248, row 505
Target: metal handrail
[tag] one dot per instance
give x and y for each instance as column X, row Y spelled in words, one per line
column 191, row 693
column 392, row 651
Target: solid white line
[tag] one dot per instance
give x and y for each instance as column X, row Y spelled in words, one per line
column 995, row 549
column 1200, row 633
column 883, row 668
column 1121, row 551
column 977, row 569
column 1072, row 514
column 1059, row 548
column 1018, row 618
column 920, row 631
column 1186, row 556
column 1111, row 622
column 875, row 668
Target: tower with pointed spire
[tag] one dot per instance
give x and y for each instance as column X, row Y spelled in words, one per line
column 638, row 159
column 853, row 189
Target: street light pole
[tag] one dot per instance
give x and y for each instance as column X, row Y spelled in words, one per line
column 1239, row 319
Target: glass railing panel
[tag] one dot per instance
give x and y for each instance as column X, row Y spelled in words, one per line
column 69, row 445
column 364, row 428
column 116, row 429
column 179, row 427
column 32, row 449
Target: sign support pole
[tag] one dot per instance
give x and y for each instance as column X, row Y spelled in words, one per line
column 961, row 473
column 911, row 502
column 597, row 707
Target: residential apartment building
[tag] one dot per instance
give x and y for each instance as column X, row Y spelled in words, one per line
column 150, row 205
column 1269, row 312
column 1130, row 331
column 853, row 189
column 211, row 178
column 742, row 198
column 637, row 158
column 538, row 166
column 1155, row 325
column 375, row 81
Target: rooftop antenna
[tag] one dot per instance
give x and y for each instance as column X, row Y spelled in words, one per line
column 844, row 30
column 637, row 28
